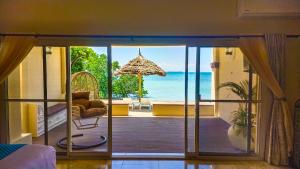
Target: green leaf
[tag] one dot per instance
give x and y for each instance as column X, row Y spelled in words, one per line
column 86, row 59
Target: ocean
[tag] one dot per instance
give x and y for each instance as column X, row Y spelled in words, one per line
column 171, row 86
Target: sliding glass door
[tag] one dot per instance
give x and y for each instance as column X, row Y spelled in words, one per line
column 221, row 96
column 91, row 93
column 61, row 96
column 37, row 98
column 191, row 105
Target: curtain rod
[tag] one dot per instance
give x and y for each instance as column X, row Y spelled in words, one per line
column 139, row 36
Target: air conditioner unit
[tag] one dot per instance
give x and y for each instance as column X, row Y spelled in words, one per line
column 269, row 8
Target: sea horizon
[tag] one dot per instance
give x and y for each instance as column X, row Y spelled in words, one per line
column 171, row 86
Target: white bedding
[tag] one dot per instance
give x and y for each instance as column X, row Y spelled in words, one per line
column 30, row 157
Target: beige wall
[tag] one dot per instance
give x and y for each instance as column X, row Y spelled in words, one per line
column 27, row 82
column 32, row 67
column 54, row 74
column 33, row 74
column 15, row 111
column 292, row 80
column 231, row 69
column 135, row 17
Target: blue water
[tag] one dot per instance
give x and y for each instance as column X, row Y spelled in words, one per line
column 171, row 86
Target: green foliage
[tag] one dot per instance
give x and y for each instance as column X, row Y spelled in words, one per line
column 78, row 55
column 239, row 118
column 126, row 84
column 241, row 89
column 86, row 59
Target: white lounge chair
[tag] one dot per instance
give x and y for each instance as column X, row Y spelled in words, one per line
column 129, row 101
column 145, row 103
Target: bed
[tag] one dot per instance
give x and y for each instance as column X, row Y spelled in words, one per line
column 27, row 157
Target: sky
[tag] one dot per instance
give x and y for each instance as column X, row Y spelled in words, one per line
column 169, row 58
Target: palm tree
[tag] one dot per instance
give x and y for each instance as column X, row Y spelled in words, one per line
column 241, row 89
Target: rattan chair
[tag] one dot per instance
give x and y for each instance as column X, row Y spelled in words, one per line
column 85, row 105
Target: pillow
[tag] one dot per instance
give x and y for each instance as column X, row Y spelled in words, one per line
column 92, row 95
column 97, row 104
column 92, row 112
column 84, row 102
column 81, row 95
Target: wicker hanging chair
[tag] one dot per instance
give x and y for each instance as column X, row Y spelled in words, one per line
column 85, row 81
column 85, row 87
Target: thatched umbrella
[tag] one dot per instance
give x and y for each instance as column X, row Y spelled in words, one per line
column 141, row 67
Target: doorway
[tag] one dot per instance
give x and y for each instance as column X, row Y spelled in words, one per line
column 148, row 119
column 205, row 115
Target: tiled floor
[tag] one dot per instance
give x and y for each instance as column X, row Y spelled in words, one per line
column 161, row 164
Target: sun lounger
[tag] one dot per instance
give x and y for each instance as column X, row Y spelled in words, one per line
column 145, row 103
column 129, row 101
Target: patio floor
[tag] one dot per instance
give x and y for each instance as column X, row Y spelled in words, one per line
column 150, row 135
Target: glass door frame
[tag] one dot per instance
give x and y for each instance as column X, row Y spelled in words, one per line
column 197, row 153
column 68, row 100
column 107, row 42
column 45, row 100
column 108, row 153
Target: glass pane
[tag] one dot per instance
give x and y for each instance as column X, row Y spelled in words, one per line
column 26, row 81
column 89, row 99
column 56, row 72
column 229, row 71
column 26, row 122
column 223, row 126
column 206, row 82
column 255, row 109
column 191, row 98
column 254, row 127
column 57, row 124
column 225, row 133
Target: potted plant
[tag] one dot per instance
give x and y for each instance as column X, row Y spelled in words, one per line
column 237, row 132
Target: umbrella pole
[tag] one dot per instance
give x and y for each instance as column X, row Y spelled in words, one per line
column 140, row 86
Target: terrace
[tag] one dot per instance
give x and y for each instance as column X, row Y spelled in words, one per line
column 141, row 132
